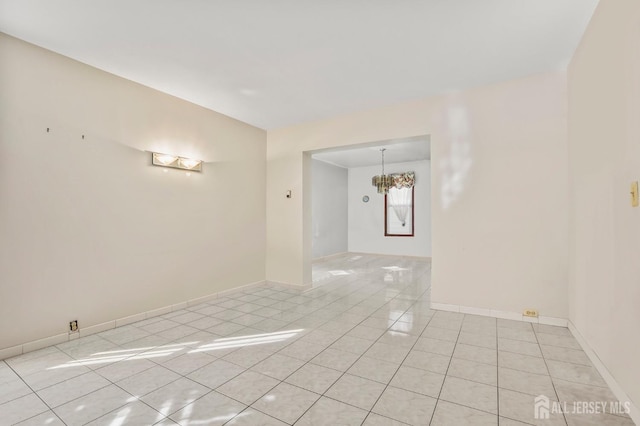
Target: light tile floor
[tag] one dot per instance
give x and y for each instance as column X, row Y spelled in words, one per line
column 362, row 347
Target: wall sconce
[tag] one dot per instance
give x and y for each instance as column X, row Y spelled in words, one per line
column 175, row 162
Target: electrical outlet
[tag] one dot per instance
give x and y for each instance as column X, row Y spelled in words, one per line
column 530, row 313
column 73, row 326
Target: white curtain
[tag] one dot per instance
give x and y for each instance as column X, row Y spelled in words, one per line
column 400, row 200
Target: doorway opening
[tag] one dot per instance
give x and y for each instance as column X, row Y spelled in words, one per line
column 348, row 217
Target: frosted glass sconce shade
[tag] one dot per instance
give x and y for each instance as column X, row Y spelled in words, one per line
column 173, row 161
column 187, row 163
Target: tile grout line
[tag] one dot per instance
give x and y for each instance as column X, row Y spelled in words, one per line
column 403, row 359
column 564, row 417
column 137, row 399
column 447, row 370
column 112, row 383
column 36, row 394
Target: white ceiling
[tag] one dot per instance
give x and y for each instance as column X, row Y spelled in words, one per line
column 281, row 62
column 396, row 151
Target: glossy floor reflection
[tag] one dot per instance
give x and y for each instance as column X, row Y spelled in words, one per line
column 360, row 347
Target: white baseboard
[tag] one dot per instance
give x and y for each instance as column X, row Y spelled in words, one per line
column 360, row 253
column 329, row 256
column 560, row 322
column 230, row 291
column 97, row 328
column 411, row 256
column 606, row 375
column 301, row 287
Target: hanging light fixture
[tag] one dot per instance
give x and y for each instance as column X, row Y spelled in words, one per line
column 382, row 182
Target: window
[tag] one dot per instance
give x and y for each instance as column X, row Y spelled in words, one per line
column 398, row 212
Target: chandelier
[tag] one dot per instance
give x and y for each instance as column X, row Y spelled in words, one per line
column 382, row 182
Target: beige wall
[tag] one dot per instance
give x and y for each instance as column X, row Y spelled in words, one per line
column 499, row 191
column 89, row 230
column 604, row 153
